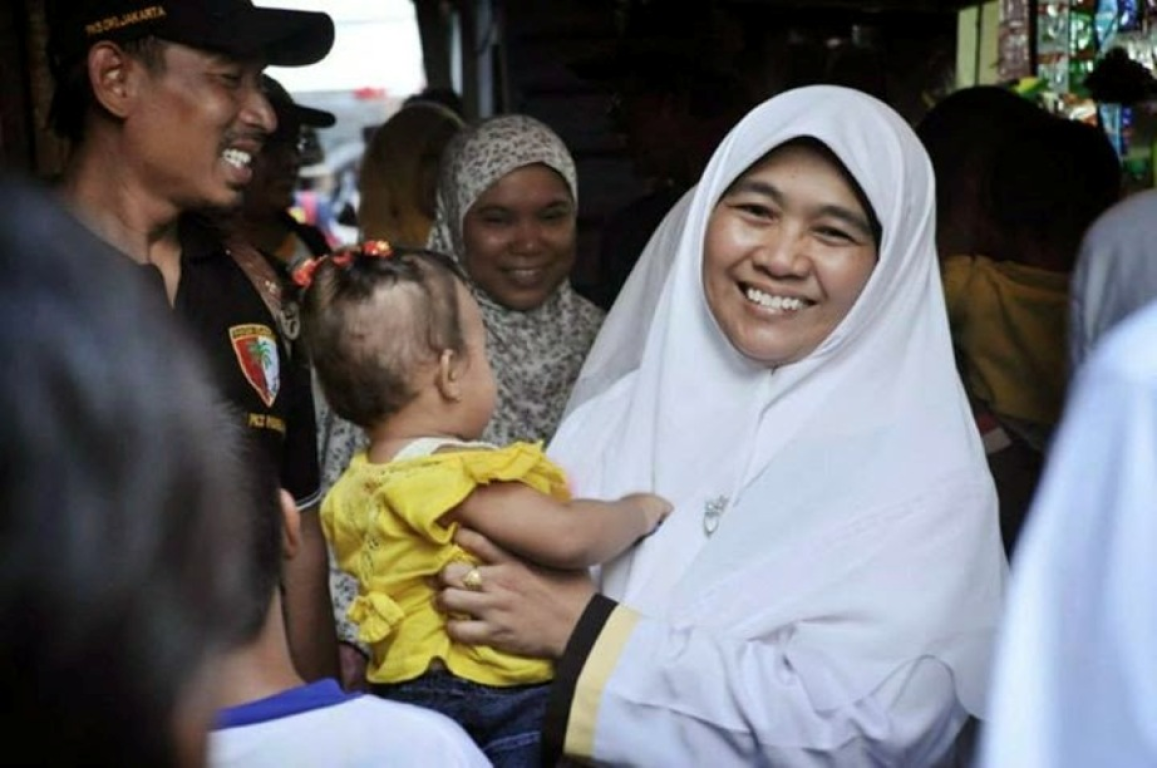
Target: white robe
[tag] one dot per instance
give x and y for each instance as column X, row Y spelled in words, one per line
column 1075, row 682
column 842, row 613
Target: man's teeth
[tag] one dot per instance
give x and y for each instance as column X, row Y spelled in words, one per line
column 237, row 158
column 777, row 303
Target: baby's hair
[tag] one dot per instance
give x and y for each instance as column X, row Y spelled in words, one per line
column 372, row 320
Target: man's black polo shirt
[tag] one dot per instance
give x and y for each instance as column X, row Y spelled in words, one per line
column 248, row 358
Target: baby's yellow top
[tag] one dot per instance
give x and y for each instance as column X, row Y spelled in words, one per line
column 382, row 521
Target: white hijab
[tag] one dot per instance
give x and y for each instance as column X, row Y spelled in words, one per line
column 856, row 484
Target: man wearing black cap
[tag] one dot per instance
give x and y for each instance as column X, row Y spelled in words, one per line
column 265, row 220
column 162, row 103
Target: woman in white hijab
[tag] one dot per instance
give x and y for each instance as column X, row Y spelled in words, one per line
column 827, row 588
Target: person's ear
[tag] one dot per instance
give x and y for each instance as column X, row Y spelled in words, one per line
column 110, row 72
column 449, row 376
column 290, row 525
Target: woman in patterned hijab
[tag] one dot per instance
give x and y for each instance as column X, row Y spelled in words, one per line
column 506, row 209
column 507, row 206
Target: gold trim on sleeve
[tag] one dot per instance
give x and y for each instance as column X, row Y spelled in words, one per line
column 604, row 656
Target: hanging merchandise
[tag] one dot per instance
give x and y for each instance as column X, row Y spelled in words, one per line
column 1083, row 48
column 1106, row 22
column 1136, row 27
column 1114, row 119
column 1073, row 39
column 1127, row 121
column 1129, row 13
column 1014, row 60
column 1052, row 44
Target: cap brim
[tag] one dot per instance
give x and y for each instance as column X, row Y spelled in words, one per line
column 315, row 118
column 283, row 38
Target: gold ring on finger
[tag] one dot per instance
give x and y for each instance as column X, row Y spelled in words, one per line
column 473, row 580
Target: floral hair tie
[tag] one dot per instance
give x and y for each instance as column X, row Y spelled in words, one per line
column 378, row 249
column 302, row 274
column 374, row 249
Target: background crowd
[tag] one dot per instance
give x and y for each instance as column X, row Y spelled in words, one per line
column 275, row 499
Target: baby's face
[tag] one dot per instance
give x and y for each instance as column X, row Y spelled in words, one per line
column 479, row 389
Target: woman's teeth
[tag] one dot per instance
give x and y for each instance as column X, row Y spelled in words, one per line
column 775, row 303
column 524, row 277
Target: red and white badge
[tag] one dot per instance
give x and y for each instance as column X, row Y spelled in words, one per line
column 256, row 349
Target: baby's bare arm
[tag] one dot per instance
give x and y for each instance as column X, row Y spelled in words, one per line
column 575, row 534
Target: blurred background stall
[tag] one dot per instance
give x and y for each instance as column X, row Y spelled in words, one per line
column 496, row 56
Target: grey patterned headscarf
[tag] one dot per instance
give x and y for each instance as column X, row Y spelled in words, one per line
column 481, row 155
column 536, row 354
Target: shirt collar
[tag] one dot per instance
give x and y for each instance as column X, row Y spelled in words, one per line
column 304, row 698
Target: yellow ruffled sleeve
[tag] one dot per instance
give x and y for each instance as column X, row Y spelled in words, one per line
column 420, row 491
column 522, row 462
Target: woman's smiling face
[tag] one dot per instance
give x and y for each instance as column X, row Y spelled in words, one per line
column 520, row 237
column 789, row 248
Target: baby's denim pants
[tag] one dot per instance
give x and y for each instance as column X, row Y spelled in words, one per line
column 505, row 722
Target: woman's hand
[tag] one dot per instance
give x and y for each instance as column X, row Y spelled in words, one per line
column 514, row 607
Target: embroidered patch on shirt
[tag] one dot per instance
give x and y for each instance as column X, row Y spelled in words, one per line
column 256, row 349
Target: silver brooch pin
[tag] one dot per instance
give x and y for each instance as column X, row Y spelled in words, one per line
column 713, row 509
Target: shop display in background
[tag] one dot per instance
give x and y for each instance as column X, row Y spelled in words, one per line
column 1014, row 44
column 1123, row 83
column 1052, row 44
column 1084, row 44
column 1067, row 46
column 1076, row 68
column 1114, row 114
column 1115, row 20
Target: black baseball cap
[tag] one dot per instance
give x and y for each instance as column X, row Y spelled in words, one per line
column 286, row 107
column 237, row 28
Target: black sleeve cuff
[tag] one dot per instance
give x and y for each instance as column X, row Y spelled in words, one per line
column 567, row 671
